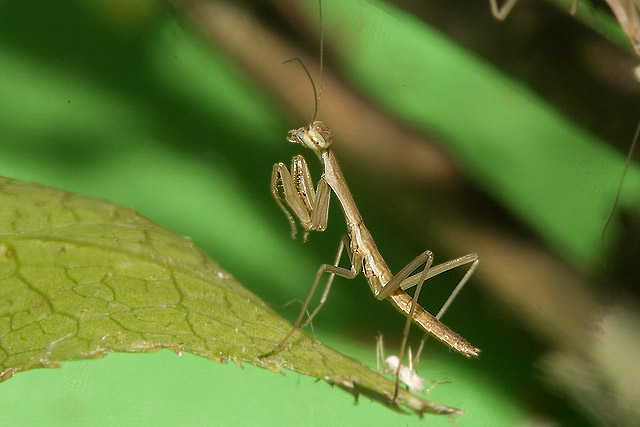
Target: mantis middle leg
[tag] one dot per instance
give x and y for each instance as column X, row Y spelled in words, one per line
column 333, row 270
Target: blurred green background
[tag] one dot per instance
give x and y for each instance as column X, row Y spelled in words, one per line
column 152, row 107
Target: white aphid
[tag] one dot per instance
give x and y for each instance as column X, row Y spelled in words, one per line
column 407, row 374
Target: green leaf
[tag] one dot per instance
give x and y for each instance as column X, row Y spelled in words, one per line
column 81, row 277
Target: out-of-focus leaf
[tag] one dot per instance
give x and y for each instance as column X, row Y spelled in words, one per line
column 81, row 277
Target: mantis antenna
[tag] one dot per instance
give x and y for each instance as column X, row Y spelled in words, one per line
column 316, row 93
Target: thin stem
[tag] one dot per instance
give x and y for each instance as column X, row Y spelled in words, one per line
column 624, row 174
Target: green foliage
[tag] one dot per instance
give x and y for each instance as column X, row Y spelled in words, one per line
column 128, row 106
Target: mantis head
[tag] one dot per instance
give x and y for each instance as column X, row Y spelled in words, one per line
column 317, row 136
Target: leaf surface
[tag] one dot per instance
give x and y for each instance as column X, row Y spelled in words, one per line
column 81, row 277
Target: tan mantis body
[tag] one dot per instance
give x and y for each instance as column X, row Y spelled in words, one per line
column 294, row 192
column 296, row 196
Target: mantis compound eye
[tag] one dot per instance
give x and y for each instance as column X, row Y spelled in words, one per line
column 317, row 136
column 321, row 133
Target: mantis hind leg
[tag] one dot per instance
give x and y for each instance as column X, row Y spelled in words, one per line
column 404, row 280
column 425, row 258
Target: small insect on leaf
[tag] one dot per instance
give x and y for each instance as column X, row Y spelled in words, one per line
column 407, row 375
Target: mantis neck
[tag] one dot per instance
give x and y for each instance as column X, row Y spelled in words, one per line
column 335, row 179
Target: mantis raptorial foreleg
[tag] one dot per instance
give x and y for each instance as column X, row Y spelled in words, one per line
column 296, row 197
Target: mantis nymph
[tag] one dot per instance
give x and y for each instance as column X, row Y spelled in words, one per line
column 294, row 191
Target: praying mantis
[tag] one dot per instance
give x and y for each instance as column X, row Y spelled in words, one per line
column 294, row 192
